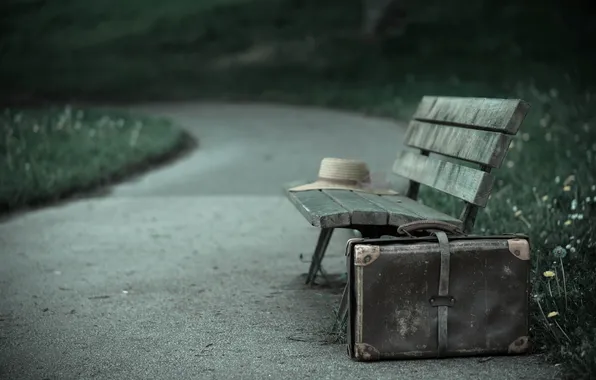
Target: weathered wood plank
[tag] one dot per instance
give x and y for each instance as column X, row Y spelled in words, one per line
column 319, row 209
column 481, row 147
column 423, row 211
column 499, row 115
column 398, row 215
column 465, row 183
column 362, row 211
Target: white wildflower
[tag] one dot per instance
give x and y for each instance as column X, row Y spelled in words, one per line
column 548, row 136
column 573, row 205
column 68, row 110
column 103, row 121
column 61, row 123
column 569, row 180
column 553, row 92
column 557, row 179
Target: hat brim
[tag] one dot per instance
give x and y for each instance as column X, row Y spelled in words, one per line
column 326, row 185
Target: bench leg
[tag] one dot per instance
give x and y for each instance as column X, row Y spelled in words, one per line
column 317, row 257
column 342, row 311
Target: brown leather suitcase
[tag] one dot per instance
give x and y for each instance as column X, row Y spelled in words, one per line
column 437, row 295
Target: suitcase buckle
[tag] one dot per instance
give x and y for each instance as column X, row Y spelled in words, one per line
column 437, row 301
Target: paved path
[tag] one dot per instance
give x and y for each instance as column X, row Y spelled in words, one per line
column 192, row 271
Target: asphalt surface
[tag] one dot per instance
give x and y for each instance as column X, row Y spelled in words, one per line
column 193, row 271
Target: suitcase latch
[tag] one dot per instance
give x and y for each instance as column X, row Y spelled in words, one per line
column 437, row 301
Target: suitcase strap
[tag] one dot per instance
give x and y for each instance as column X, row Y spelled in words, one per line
column 443, row 301
column 428, row 225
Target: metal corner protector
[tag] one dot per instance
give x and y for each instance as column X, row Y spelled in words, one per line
column 366, row 254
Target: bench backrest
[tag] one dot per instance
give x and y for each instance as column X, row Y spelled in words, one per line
column 475, row 130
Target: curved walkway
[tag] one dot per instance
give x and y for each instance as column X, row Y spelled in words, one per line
column 192, row 271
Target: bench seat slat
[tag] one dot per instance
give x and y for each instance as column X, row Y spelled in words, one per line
column 397, row 214
column 471, row 185
column 499, row 115
column 319, row 209
column 481, row 147
column 402, row 210
column 423, row 211
column 344, row 208
column 362, row 211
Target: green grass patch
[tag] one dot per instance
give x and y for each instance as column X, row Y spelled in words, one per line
column 309, row 52
column 48, row 154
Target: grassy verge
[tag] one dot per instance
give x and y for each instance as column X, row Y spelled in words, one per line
column 48, row 154
column 308, row 52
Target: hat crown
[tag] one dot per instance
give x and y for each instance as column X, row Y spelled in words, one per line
column 343, row 169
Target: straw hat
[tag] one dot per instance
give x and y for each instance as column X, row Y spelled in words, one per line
column 344, row 174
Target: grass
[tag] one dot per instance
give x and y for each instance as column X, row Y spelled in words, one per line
column 308, row 52
column 48, row 154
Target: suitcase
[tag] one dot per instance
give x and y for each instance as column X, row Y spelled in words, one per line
column 437, row 293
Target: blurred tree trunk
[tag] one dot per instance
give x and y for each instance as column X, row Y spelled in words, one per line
column 383, row 17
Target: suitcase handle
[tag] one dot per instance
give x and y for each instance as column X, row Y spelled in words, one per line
column 428, row 225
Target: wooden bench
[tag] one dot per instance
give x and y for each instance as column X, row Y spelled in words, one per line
column 475, row 130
